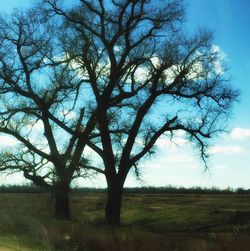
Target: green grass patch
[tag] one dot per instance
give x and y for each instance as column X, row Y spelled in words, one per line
column 149, row 222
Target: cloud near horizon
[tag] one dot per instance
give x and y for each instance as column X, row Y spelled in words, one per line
column 228, row 149
column 240, row 133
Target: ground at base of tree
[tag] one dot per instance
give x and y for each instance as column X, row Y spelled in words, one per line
column 149, row 222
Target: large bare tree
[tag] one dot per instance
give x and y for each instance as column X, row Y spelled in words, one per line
column 147, row 79
column 136, row 74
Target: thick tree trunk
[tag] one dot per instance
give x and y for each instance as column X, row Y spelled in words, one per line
column 62, row 209
column 114, row 201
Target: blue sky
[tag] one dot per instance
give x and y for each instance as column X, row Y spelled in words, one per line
column 8, row 6
column 229, row 19
column 177, row 164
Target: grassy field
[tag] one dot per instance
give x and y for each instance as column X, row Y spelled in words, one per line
column 149, row 222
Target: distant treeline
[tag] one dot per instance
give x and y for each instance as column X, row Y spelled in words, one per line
column 129, row 190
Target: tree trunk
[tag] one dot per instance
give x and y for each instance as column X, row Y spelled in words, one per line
column 114, row 201
column 62, row 210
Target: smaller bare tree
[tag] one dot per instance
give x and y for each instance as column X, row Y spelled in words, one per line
column 40, row 107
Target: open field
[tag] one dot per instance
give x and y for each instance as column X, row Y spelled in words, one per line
column 149, row 222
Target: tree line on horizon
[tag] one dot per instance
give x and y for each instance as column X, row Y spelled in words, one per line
column 107, row 77
column 130, row 190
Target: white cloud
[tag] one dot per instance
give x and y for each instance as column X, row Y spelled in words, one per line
column 218, row 64
column 221, row 167
column 240, row 133
column 193, row 167
column 89, row 151
column 216, row 49
column 7, row 141
column 36, row 127
column 179, row 158
column 229, row 149
column 68, row 114
column 155, row 61
column 142, row 74
column 177, row 140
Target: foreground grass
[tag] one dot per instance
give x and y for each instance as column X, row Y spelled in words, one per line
column 149, row 222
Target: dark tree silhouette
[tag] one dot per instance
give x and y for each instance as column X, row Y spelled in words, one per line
column 147, row 79
column 40, row 107
column 137, row 75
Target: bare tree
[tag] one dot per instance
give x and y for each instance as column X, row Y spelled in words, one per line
column 40, row 107
column 145, row 78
